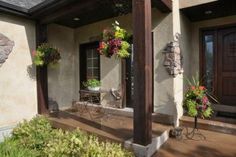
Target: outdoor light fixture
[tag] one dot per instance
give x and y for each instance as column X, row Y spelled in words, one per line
column 76, row 19
column 208, row 12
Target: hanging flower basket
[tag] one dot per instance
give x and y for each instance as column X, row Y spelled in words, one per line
column 115, row 42
column 196, row 102
column 45, row 54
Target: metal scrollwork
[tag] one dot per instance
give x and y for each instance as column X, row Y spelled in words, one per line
column 173, row 61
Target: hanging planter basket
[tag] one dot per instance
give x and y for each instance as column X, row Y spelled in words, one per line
column 45, row 54
column 196, row 102
column 115, row 42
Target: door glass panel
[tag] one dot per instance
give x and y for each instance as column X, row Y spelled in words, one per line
column 209, row 61
column 92, row 64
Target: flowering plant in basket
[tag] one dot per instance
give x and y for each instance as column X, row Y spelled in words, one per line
column 45, row 54
column 196, row 102
column 114, row 42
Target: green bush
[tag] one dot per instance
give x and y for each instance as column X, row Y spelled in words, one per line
column 12, row 148
column 34, row 134
column 37, row 138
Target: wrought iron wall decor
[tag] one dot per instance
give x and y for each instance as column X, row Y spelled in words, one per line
column 173, row 61
column 6, row 46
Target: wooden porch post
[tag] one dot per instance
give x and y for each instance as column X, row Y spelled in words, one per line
column 142, row 72
column 42, row 73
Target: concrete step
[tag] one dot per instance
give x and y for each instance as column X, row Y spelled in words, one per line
column 211, row 125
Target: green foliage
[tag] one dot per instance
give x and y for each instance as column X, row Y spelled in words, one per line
column 115, row 41
column 208, row 112
column 36, row 138
column 12, row 148
column 33, row 134
column 196, row 101
column 92, row 83
column 46, row 55
column 191, row 108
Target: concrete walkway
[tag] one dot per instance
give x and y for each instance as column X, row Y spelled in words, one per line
column 215, row 145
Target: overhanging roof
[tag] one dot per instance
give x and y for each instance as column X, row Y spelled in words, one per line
column 63, row 11
column 27, row 4
column 216, row 9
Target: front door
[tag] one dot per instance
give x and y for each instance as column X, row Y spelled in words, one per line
column 227, row 66
column 219, row 68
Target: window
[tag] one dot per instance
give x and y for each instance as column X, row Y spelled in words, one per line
column 92, row 65
column 208, row 61
column 89, row 62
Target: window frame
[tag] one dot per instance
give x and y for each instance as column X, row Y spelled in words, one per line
column 83, row 61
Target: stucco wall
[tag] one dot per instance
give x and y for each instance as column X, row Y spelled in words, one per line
column 163, row 83
column 196, row 26
column 111, row 68
column 165, row 87
column 18, row 97
column 61, row 79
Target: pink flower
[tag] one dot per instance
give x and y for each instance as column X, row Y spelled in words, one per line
column 34, row 53
column 205, row 100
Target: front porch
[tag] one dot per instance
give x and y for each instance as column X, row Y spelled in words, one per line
column 107, row 125
column 119, row 129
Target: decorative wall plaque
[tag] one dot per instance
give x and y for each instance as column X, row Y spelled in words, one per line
column 6, row 46
column 173, row 58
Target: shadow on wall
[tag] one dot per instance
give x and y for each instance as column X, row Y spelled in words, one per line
column 164, row 99
column 160, row 68
column 31, row 70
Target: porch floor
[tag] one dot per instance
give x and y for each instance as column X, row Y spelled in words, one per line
column 215, row 145
column 119, row 129
column 109, row 126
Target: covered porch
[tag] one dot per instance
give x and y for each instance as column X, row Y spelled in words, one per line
column 74, row 28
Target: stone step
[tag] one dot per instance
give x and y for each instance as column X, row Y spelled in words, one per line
column 211, row 125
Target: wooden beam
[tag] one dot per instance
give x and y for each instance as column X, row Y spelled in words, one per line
column 164, row 6
column 77, row 8
column 142, row 72
column 42, row 73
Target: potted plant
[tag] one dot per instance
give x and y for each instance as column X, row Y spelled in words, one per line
column 115, row 42
column 196, row 102
column 92, row 84
column 45, row 54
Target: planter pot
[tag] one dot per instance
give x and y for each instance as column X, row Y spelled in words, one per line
column 94, row 88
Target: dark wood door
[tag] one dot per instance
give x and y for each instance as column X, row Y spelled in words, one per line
column 226, row 71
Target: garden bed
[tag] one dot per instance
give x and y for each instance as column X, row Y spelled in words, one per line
column 37, row 138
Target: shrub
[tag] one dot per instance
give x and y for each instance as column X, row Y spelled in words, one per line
column 34, row 134
column 12, row 148
column 80, row 144
column 37, row 138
